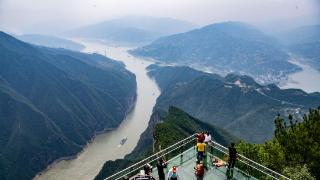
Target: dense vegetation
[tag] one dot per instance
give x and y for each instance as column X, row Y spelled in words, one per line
column 235, row 103
column 295, row 149
column 223, row 47
column 167, row 130
column 53, row 101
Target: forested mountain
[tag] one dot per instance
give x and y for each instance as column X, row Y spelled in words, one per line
column 53, row 101
column 236, row 103
column 304, row 41
column 224, row 47
column 294, row 150
column 50, row 41
column 132, row 29
column 168, row 129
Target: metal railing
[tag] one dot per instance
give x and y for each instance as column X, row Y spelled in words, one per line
column 133, row 169
column 181, row 145
column 248, row 162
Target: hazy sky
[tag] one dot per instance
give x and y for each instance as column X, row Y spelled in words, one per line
column 36, row 15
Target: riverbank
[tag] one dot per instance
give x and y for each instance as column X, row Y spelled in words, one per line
column 308, row 79
column 105, row 146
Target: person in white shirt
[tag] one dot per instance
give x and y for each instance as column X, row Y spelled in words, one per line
column 207, row 138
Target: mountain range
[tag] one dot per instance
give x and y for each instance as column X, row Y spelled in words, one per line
column 305, row 42
column 131, row 29
column 235, row 103
column 50, row 41
column 53, row 102
column 223, row 48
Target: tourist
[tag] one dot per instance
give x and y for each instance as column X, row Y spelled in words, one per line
column 207, row 137
column 147, row 169
column 217, row 162
column 199, row 170
column 201, row 147
column 173, row 173
column 232, row 159
column 160, row 166
column 200, row 137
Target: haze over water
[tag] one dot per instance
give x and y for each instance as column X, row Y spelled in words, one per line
column 308, row 79
column 106, row 146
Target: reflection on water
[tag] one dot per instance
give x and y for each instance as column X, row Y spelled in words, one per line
column 308, row 79
column 106, row 146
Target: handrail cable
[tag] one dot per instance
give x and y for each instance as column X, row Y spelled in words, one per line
column 152, row 160
column 185, row 141
column 150, row 157
column 243, row 157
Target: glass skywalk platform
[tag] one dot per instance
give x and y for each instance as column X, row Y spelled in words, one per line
column 183, row 155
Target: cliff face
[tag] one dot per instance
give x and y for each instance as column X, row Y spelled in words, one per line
column 235, row 103
column 53, row 101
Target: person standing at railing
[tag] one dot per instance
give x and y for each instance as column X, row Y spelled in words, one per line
column 200, row 137
column 207, row 137
column 207, row 141
column 232, row 158
column 201, row 148
column 160, row 166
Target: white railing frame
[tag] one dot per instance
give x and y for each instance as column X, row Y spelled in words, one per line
column 267, row 171
column 152, row 156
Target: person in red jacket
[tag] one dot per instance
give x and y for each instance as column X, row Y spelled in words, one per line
column 200, row 137
column 199, row 170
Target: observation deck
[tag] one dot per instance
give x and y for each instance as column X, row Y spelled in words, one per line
column 183, row 155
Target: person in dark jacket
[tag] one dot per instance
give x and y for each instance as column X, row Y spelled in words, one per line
column 160, row 166
column 233, row 155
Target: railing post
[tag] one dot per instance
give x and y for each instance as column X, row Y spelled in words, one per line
column 181, row 153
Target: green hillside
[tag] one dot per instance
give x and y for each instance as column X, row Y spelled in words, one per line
column 235, row 103
column 294, row 150
column 168, row 129
column 53, row 101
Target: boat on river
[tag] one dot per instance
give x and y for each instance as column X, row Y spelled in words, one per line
column 123, row 141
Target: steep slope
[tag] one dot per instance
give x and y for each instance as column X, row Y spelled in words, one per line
column 28, row 138
column 68, row 96
column 168, row 129
column 223, row 47
column 50, row 41
column 235, row 103
column 132, row 29
column 171, row 75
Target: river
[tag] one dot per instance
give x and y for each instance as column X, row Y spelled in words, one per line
column 106, row 146
column 308, row 79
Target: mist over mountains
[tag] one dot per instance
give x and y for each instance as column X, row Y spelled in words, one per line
column 305, row 42
column 50, row 41
column 53, row 101
column 224, row 48
column 132, row 30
